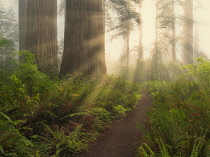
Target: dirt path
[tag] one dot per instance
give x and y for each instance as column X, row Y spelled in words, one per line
column 121, row 140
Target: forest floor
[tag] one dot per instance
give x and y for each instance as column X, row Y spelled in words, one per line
column 122, row 137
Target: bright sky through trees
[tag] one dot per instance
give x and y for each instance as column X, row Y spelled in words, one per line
column 201, row 15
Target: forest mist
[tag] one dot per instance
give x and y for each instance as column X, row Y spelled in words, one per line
column 70, row 68
column 115, row 47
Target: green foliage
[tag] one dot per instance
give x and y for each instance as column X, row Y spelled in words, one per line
column 127, row 17
column 119, row 110
column 145, row 151
column 74, row 111
column 64, row 145
column 180, row 118
column 6, row 58
column 200, row 71
column 118, row 91
column 21, row 90
column 3, row 42
column 8, row 34
column 12, row 142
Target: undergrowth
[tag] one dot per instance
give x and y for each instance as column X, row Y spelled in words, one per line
column 42, row 116
column 179, row 121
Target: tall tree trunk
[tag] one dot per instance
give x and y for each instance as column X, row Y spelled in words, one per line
column 173, row 33
column 1, row 31
column 84, row 39
column 128, row 39
column 1, row 16
column 41, row 33
column 196, row 42
column 156, row 43
column 141, row 53
column 96, row 55
column 128, row 49
column 187, row 57
column 22, row 24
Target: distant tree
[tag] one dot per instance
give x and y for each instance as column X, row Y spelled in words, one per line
column 166, row 31
column 84, row 38
column 173, row 29
column 196, row 51
column 139, row 74
column 187, row 56
column 22, row 24
column 125, row 22
column 2, row 17
column 41, row 33
column 141, row 51
column 10, row 28
column 8, row 31
column 156, row 51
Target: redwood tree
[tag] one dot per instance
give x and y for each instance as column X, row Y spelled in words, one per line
column 84, row 39
column 41, row 33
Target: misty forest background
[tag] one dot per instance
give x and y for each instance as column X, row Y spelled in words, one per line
column 56, row 95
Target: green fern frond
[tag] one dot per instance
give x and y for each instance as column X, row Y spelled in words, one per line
column 145, row 151
column 75, row 114
column 5, row 116
column 1, row 150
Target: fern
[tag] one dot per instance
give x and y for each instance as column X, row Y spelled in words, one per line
column 163, row 149
column 75, row 114
column 197, row 147
column 11, row 138
column 145, row 151
column 179, row 117
column 67, row 144
column 1, row 150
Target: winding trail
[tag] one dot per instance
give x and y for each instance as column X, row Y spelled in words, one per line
column 122, row 138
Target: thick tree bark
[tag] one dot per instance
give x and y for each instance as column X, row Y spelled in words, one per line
column 22, row 24
column 41, row 35
column 187, row 57
column 84, row 39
